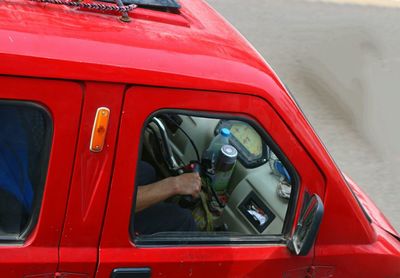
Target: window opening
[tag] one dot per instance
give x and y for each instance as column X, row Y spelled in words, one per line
column 209, row 177
column 25, row 132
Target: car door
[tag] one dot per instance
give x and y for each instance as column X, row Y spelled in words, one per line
column 38, row 129
column 124, row 254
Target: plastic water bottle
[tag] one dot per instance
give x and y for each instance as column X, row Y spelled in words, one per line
column 216, row 144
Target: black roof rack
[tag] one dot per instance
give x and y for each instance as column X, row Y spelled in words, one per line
column 151, row 3
column 118, row 7
column 122, row 6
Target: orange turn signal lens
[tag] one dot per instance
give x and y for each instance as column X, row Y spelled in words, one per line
column 99, row 130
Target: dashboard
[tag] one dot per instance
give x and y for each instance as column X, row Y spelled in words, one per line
column 252, row 151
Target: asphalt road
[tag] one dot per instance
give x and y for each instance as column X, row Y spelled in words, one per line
column 341, row 61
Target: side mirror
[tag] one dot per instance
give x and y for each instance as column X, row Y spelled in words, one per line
column 306, row 230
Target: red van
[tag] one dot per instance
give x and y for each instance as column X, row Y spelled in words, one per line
column 147, row 138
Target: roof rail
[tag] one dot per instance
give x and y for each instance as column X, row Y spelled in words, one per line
column 118, row 7
column 172, row 4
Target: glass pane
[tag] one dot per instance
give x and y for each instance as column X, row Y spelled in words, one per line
column 243, row 188
column 25, row 132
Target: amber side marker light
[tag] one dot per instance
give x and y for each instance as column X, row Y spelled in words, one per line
column 99, row 130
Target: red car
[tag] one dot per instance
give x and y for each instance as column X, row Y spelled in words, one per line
column 154, row 141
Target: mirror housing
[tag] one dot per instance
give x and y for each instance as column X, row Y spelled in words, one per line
column 307, row 228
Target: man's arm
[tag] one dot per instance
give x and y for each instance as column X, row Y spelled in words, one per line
column 151, row 194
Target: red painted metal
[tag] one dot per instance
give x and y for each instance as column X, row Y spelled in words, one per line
column 370, row 208
column 58, row 275
column 116, row 248
column 378, row 259
column 197, row 51
column 90, row 182
column 39, row 253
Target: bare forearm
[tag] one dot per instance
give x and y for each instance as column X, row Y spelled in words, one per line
column 154, row 193
column 151, row 194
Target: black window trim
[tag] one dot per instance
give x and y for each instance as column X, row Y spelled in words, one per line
column 159, row 241
column 38, row 196
column 181, row 239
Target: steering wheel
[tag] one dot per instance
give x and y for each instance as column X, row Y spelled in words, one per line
column 171, row 162
column 165, row 146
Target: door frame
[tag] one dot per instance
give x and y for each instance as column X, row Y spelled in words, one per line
column 38, row 252
column 117, row 249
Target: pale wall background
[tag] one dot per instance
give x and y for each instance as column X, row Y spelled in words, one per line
column 341, row 60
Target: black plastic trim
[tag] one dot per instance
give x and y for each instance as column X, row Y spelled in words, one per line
column 367, row 216
column 306, row 231
column 143, row 272
column 168, row 239
column 151, row 3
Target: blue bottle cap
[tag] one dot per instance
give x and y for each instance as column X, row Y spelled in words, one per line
column 225, row 132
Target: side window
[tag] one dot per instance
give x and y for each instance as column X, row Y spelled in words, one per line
column 25, row 135
column 240, row 187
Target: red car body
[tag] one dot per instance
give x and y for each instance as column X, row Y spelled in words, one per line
column 73, row 61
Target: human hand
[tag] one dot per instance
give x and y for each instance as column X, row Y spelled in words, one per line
column 187, row 184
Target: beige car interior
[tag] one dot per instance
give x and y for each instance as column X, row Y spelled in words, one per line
column 257, row 196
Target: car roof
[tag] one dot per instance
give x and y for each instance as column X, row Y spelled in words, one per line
column 47, row 40
column 196, row 49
